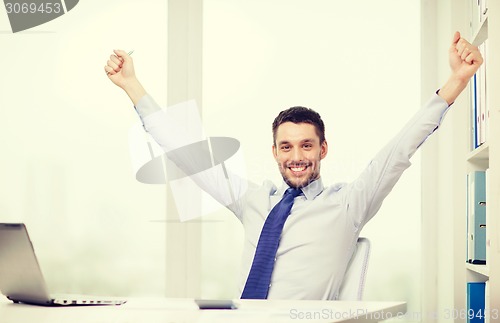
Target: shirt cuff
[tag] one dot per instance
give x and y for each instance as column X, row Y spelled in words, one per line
column 437, row 92
column 146, row 106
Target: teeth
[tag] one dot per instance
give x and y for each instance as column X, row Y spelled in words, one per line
column 298, row 169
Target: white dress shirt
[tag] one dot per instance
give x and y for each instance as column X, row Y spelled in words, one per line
column 321, row 231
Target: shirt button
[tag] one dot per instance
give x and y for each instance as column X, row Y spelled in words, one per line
column 275, row 259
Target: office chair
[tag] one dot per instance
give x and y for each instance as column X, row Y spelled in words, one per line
column 354, row 280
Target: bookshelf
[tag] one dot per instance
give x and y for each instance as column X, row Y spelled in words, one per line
column 448, row 159
column 485, row 31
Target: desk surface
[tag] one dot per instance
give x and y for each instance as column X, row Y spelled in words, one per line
column 156, row 310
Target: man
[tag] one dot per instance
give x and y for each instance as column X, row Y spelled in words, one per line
column 299, row 247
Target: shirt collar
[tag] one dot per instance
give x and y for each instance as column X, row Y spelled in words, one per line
column 310, row 191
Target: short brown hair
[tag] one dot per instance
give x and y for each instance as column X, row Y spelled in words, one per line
column 300, row 114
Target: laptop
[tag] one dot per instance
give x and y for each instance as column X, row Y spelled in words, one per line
column 21, row 278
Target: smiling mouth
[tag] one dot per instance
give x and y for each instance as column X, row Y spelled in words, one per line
column 298, row 169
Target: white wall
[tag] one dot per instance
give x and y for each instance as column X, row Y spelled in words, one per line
column 65, row 164
column 443, row 194
column 65, row 167
column 358, row 64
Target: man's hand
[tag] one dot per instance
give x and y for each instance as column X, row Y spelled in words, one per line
column 465, row 60
column 120, row 70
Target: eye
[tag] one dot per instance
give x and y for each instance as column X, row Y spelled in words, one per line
column 307, row 146
column 285, row 148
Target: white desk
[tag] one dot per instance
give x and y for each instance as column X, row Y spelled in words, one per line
column 185, row 311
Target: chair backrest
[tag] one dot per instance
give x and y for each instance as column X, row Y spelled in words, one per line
column 354, row 280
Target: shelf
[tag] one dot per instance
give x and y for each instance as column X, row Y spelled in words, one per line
column 449, row 191
column 479, row 269
column 481, row 153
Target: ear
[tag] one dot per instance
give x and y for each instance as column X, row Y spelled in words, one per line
column 324, row 149
column 275, row 152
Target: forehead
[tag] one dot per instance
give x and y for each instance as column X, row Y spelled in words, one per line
column 296, row 132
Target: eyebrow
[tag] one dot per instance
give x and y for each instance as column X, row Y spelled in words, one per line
column 307, row 140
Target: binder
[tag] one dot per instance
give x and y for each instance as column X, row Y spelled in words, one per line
column 481, row 97
column 483, row 10
column 475, row 15
column 487, row 308
column 474, row 113
column 476, row 217
column 475, row 302
column 485, row 89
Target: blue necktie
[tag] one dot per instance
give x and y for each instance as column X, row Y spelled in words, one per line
column 259, row 278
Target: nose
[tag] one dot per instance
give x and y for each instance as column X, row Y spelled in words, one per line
column 297, row 155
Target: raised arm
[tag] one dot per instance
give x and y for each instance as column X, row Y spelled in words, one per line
column 176, row 139
column 366, row 194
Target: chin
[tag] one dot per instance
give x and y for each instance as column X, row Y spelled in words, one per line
column 298, row 183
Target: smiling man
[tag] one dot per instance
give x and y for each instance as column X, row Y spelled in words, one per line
column 300, row 235
column 299, row 145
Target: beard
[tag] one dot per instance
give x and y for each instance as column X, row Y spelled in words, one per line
column 311, row 173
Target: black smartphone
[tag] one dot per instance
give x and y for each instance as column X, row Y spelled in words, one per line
column 215, row 304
